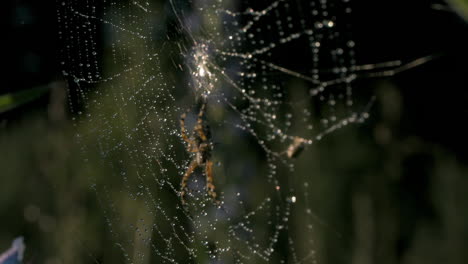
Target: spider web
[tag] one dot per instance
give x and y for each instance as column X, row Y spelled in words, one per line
column 276, row 76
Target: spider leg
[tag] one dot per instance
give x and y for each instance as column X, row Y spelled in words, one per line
column 183, row 130
column 209, row 179
column 193, row 165
column 199, row 126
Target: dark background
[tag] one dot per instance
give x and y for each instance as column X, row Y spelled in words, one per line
column 416, row 139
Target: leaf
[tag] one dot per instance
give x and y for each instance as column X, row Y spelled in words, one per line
column 13, row 100
column 461, row 7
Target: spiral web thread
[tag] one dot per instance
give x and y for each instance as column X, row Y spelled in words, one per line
column 276, row 77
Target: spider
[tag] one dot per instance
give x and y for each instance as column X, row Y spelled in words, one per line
column 200, row 144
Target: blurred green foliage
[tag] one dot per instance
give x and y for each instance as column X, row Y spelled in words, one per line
column 376, row 194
